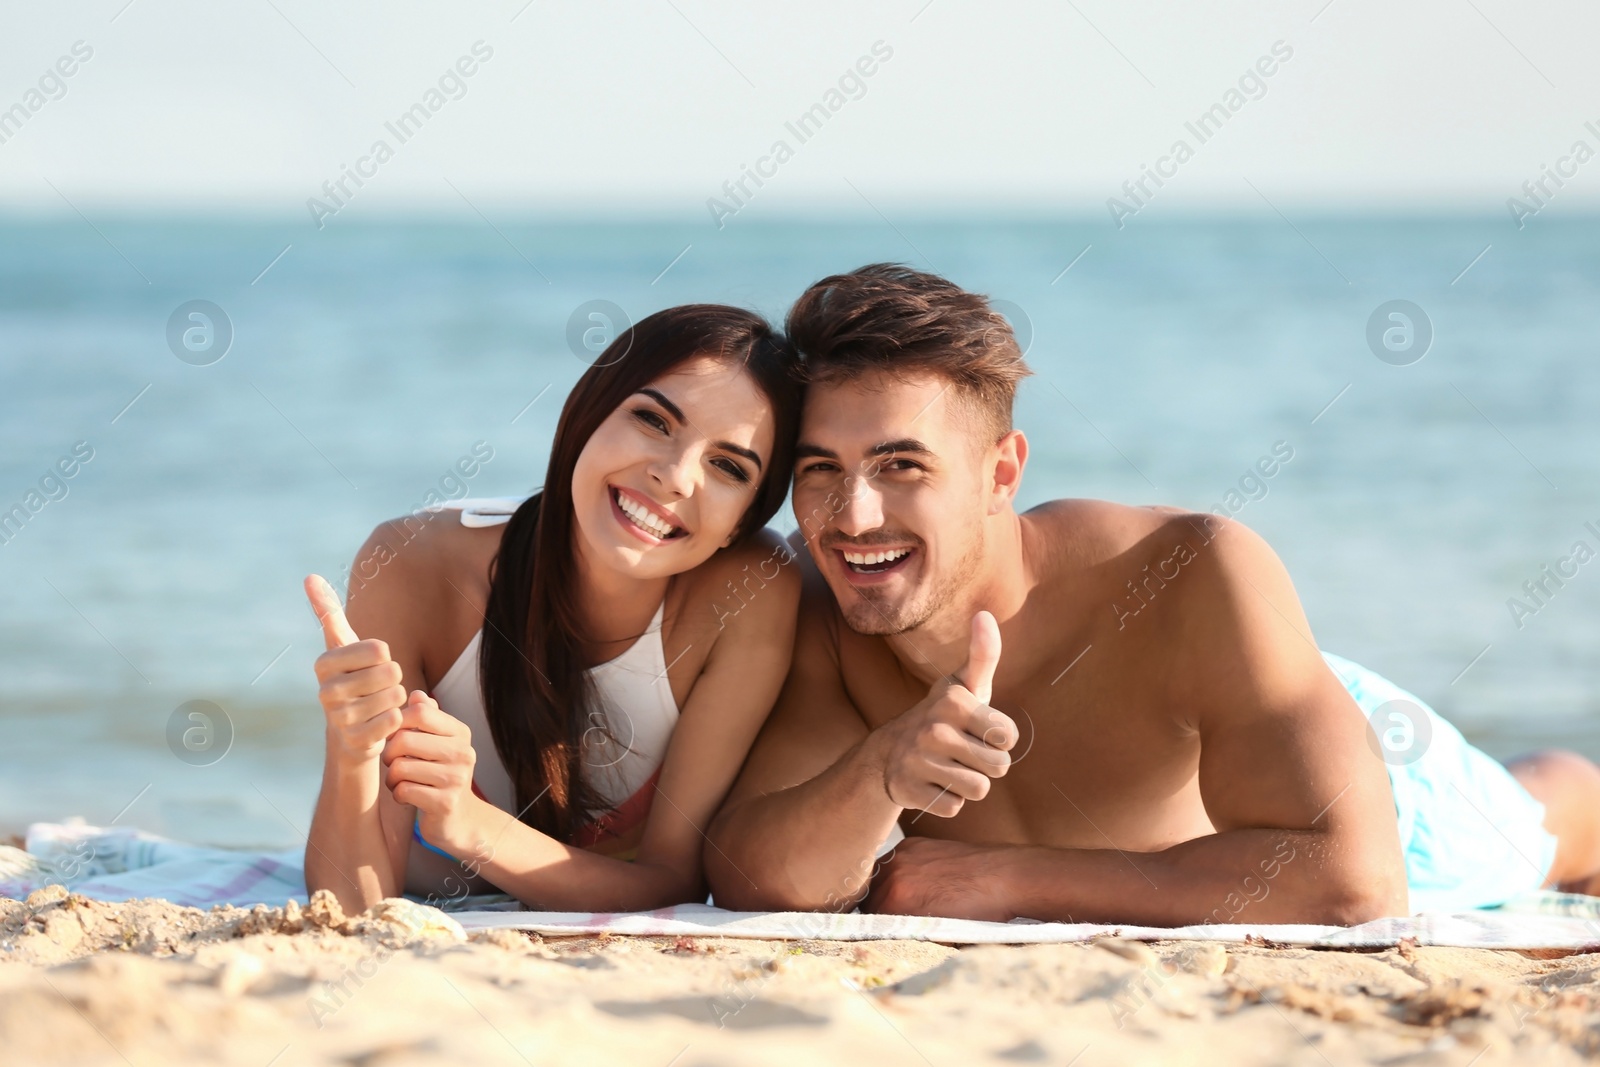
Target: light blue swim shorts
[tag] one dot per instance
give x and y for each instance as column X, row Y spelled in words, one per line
column 1473, row 837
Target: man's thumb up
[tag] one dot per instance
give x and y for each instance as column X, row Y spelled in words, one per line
column 983, row 656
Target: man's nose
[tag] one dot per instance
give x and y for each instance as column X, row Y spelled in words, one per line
column 863, row 509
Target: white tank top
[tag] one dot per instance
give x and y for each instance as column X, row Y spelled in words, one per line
column 626, row 742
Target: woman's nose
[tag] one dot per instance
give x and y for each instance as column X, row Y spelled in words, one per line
column 675, row 474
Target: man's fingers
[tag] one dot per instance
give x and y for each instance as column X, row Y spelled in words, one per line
column 944, row 803
column 941, row 787
column 985, row 759
column 995, row 728
column 983, row 656
column 336, row 629
column 982, row 723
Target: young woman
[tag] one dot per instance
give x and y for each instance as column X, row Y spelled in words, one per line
column 598, row 665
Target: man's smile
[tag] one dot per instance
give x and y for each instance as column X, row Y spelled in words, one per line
column 869, row 565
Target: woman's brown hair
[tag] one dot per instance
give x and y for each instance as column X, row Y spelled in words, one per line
column 536, row 691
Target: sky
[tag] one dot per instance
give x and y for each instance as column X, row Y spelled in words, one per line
column 660, row 107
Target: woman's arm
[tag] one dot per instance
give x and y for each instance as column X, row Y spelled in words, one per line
column 357, row 846
column 430, row 764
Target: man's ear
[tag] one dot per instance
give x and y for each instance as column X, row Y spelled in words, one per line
column 1010, row 457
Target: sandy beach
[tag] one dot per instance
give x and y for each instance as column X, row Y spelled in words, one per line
column 146, row 982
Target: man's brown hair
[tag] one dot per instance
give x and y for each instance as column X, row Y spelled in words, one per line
column 889, row 317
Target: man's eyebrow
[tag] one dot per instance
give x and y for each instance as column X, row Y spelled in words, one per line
column 677, row 413
column 887, row 448
column 904, row 444
column 804, row 450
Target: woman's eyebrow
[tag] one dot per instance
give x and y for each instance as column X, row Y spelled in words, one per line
column 660, row 398
column 677, row 413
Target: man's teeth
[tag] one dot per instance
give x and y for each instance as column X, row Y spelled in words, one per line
column 643, row 517
column 867, row 559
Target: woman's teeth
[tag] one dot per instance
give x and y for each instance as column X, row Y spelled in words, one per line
column 644, row 518
column 870, row 559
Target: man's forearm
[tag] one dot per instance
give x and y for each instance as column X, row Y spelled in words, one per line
column 810, row 847
column 1251, row 876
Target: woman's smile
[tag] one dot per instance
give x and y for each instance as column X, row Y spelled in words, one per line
column 643, row 518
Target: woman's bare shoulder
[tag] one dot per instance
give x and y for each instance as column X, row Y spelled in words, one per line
column 755, row 582
column 422, row 580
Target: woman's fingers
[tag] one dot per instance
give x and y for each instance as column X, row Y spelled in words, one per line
column 347, row 659
column 425, row 798
column 422, row 772
column 362, row 710
column 364, row 681
column 371, row 733
column 429, row 746
column 422, row 712
column 360, row 684
column 336, row 630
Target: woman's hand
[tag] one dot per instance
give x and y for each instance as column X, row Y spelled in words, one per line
column 429, row 763
column 360, row 688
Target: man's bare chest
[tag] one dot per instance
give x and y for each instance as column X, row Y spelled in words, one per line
column 1099, row 762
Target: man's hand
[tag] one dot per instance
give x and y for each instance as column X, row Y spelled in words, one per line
column 942, row 753
column 429, row 763
column 927, row 876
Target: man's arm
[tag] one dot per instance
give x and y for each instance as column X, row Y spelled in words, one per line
column 821, row 792
column 812, row 767
column 1302, row 807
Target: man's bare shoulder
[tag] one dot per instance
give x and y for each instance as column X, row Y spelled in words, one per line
column 1080, row 533
column 1148, row 550
column 1172, row 575
column 1200, row 600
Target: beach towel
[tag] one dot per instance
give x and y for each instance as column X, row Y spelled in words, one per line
column 120, row 863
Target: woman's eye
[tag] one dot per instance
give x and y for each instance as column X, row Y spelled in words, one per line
column 651, row 419
column 732, row 469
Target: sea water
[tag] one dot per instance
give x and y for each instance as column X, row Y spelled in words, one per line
column 1415, row 501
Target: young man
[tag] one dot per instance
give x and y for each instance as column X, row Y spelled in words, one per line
column 1085, row 712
